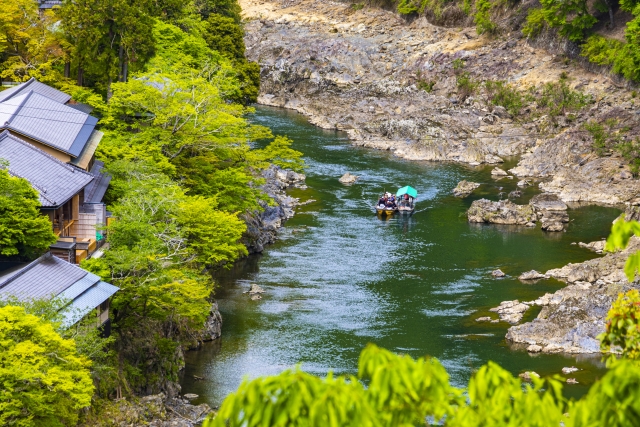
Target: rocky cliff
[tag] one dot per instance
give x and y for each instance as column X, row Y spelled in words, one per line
column 392, row 84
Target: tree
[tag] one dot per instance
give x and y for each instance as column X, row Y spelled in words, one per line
column 23, row 230
column 571, row 17
column 44, row 381
column 106, row 37
column 29, row 45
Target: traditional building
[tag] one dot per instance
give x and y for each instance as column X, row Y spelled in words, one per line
column 67, row 194
column 49, row 277
column 48, row 119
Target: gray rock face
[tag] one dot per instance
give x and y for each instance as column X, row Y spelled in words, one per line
column 389, row 84
column 262, row 227
column 597, row 247
column 502, row 212
column 551, row 211
column 464, row 188
column 572, row 317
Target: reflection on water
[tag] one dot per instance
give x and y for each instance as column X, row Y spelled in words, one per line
column 341, row 277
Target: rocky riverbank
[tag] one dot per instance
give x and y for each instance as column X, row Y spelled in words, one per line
column 262, row 227
column 153, row 411
column 391, row 85
column 572, row 318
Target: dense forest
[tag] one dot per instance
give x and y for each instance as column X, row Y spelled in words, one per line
column 170, row 84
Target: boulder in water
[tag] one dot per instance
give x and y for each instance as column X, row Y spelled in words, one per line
column 498, row 273
column 532, row 275
column 347, row 178
column 464, row 188
column 502, row 212
column 498, row 172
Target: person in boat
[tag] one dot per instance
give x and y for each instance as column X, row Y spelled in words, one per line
column 382, row 201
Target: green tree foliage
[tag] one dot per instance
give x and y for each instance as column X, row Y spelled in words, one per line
column 29, row 45
column 225, row 35
column 23, row 230
column 570, row 17
column 107, row 37
column 401, row 391
column 44, row 380
column 623, row 326
column 482, row 18
column 228, row 8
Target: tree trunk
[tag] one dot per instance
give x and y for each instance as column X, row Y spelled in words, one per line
column 67, row 69
column 80, row 75
column 121, row 76
column 609, row 4
column 125, row 70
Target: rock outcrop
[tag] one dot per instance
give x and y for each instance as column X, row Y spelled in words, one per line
column 551, row 211
column 511, row 311
column 262, row 227
column 153, row 411
column 502, row 212
column 464, row 188
column 572, row 318
column 390, row 85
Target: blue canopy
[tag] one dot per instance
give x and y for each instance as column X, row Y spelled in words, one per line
column 407, row 190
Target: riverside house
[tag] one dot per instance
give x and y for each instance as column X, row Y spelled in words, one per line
column 80, row 293
column 65, row 192
column 50, row 140
column 48, row 119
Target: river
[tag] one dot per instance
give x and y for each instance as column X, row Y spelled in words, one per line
column 340, row 277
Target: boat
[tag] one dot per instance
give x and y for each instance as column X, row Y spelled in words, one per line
column 406, row 197
column 385, row 209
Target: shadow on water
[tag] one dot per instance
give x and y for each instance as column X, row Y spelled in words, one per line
column 340, row 277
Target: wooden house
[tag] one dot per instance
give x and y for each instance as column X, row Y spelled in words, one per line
column 65, row 192
column 80, row 292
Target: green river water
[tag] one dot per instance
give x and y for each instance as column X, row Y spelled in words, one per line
column 340, row 277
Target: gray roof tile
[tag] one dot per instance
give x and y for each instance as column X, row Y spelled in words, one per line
column 32, row 85
column 86, row 302
column 47, row 121
column 56, row 182
column 45, row 277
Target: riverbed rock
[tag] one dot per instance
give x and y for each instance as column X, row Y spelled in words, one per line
column 526, row 376
column 569, row 370
column 367, row 73
column 514, row 194
column 348, row 179
column 498, row 273
column 523, row 183
column 255, row 289
column 551, row 211
column 501, row 212
column 534, row 348
column 511, row 311
column 498, row 172
column 464, row 188
column 484, row 319
column 190, row 396
column 597, row 246
column 532, row 275
column 572, row 381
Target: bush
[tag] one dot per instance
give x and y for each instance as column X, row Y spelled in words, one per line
column 503, row 94
column 570, row 17
column 558, row 98
column 483, row 17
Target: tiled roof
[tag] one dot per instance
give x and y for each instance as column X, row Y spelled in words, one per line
column 32, row 85
column 47, row 121
column 51, row 277
column 98, row 187
column 87, row 301
column 56, row 182
column 45, row 277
